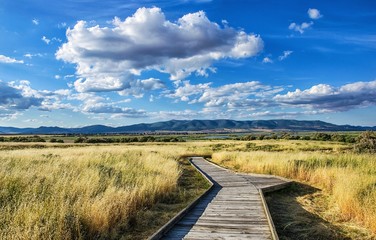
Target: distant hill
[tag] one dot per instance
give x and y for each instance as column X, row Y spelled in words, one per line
column 222, row 125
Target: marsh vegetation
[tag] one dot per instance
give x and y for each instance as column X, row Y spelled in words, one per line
column 128, row 190
column 345, row 173
column 92, row 192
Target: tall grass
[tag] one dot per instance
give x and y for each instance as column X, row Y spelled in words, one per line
column 66, row 191
column 350, row 178
column 80, row 193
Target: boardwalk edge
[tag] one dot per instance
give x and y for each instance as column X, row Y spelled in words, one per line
column 268, row 215
column 262, row 191
column 165, row 228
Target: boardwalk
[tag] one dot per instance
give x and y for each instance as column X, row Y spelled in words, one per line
column 233, row 209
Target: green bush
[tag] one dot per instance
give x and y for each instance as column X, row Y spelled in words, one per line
column 366, row 142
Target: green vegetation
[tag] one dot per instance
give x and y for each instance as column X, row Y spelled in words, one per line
column 366, row 142
column 128, row 139
column 346, row 137
column 317, row 136
column 35, row 138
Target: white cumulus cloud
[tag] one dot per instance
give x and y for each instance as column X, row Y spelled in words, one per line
column 109, row 58
column 5, row 59
column 186, row 90
column 327, row 97
column 17, row 97
column 314, row 13
column 235, row 94
column 267, row 60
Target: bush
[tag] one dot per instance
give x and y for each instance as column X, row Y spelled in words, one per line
column 80, row 140
column 366, row 142
column 321, row 136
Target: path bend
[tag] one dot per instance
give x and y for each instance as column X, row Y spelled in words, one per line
column 232, row 209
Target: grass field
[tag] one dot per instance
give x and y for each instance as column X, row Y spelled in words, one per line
column 96, row 192
column 126, row 191
column 348, row 178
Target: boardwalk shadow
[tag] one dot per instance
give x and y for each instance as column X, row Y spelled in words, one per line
column 293, row 222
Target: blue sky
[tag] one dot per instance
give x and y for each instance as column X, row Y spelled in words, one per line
column 82, row 62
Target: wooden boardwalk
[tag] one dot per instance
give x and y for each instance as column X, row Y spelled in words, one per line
column 233, row 209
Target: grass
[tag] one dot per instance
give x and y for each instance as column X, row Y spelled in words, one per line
column 296, row 213
column 97, row 192
column 348, row 178
column 127, row 191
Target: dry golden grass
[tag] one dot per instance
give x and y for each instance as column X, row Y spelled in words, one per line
column 66, row 191
column 79, row 193
column 349, row 178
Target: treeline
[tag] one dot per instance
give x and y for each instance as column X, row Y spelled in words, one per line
column 127, row 139
column 319, row 136
column 35, row 138
column 22, row 139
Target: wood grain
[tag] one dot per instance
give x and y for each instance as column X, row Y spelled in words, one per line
column 233, row 209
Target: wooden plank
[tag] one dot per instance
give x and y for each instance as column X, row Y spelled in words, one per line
column 234, row 209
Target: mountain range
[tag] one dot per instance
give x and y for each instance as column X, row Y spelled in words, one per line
column 193, row 125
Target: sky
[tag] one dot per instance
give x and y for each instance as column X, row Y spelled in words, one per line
column 75, row 63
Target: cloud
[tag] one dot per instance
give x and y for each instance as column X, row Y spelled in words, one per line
column 7, row 115
column 46, row 40
column 285, row 55
column 241, row 100
column 231, row 95
column 56, row 39
column 110, row 109
column 267, row 60
column 177, row 115
column 246, row 95
column 124, row 88
column 5, row 59
column 186, row 90
column 35, row 21
column 69, row 76
column 300, row 27
column 271, row 114
column 29, row 55
column 326, row 97
column 94, row 105
column 138, row 87
column 314, row 13
column 17, row 97
column 109, row 58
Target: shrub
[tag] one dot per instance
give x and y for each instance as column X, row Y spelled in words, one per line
column 366, row 142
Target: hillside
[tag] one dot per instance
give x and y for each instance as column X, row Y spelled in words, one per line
column 193, row 125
